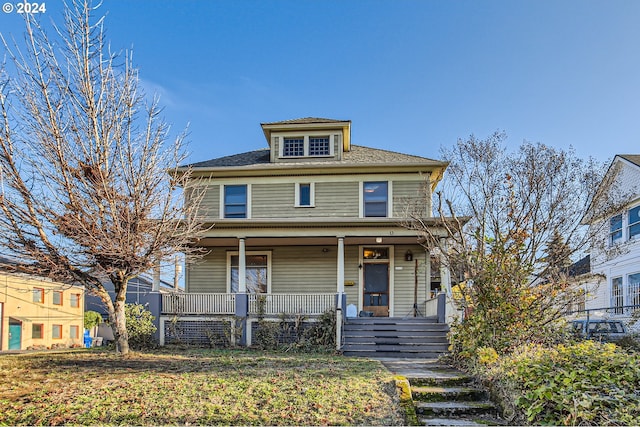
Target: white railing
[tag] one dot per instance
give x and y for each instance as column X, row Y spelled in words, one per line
column 274, row 304
column 198, row 303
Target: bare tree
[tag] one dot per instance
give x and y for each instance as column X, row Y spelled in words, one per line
column 525, row 209
column 84, row 158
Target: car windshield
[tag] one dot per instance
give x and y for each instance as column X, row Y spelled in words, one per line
column 606, row 327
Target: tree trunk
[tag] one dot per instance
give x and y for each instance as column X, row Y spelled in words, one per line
column 117, row 317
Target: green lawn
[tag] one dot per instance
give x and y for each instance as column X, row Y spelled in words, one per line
column 195, row 387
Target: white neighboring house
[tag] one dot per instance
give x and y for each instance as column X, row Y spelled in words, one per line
column 617, row 256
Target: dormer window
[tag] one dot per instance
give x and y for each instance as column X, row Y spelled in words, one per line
column 293, row 147
column 306, row 146
column 319, row 146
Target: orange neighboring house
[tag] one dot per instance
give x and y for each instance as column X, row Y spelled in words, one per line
column 37, row 313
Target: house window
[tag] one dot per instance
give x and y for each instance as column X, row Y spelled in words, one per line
column 617, row 297
column 235, row 201
column 634, row 222
column 57, row 297
column 375, row 196
column 615, row 228
column 74, row 332
column 293, row 147
column 75, row 300
column 56, row 332
column 37, row 331
column 319, row 146
column 257, row 272
column 38, row 295
column 305, row 195
column 633, row 281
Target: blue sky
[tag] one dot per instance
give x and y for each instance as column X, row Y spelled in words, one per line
column 411, row 75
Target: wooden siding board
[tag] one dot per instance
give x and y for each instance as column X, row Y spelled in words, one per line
column 209, row 274
column 404, row 279
column 303, row 269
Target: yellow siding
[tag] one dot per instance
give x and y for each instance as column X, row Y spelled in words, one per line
column 16, row 296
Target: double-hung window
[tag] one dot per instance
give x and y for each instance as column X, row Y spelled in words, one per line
column 37, row 330
column 617, row 296
column 56, row 332
column 256, row 269
column 615, row 229
column 74, row 300
column 375, row 198
column 38, row 295
column 634, row 222
column 633, row 289
column 57, row 297
column 235, row 201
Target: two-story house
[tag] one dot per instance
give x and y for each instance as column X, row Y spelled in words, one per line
column 616, row 257
column 36, row 313
column 308, row 224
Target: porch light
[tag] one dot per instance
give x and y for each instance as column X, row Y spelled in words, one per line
column 408, row 256
column 378, row 239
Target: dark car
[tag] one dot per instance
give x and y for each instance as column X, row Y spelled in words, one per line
column 599, row 329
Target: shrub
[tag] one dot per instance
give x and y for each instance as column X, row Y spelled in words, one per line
column 140, row 327
column 91, row 319
column 586, row 383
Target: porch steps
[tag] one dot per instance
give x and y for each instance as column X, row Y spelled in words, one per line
column 395, row 337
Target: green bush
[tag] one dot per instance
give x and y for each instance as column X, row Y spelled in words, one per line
column 91, row 319
column 586, row 383
column 140, row 327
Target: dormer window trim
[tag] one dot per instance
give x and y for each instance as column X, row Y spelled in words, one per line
column 311, row 144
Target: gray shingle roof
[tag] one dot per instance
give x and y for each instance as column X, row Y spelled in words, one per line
column 358, row 155
column 305, row 120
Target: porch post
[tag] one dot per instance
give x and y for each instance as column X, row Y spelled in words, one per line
column 242, row 299
column 445, row 273
column 242, row 267
column 340, row 271
column 340, row 292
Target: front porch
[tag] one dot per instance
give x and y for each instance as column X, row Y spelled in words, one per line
column 232, row 318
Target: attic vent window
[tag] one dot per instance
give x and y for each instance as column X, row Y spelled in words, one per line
column 293, row 147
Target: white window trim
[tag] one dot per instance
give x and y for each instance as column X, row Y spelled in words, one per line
column 625, row 218
column 237, row 253
column 389, row 197
column 312, row 195
column 222, row 204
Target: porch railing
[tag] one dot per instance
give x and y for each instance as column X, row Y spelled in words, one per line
column 274, row 304
column 266, row 304
column 198, row 303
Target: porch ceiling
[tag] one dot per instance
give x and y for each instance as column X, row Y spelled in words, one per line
column 308, row 241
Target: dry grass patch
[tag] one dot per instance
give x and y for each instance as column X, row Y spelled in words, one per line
column 195, row 387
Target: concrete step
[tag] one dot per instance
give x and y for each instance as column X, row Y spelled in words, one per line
column 455, row 409
column 472, row 422
column 390, row 320
column 396, row 340
column 394, row 354
column 395, row 333
column 443, row 394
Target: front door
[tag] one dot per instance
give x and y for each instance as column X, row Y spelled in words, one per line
column 15, row 335
column 376, row 282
